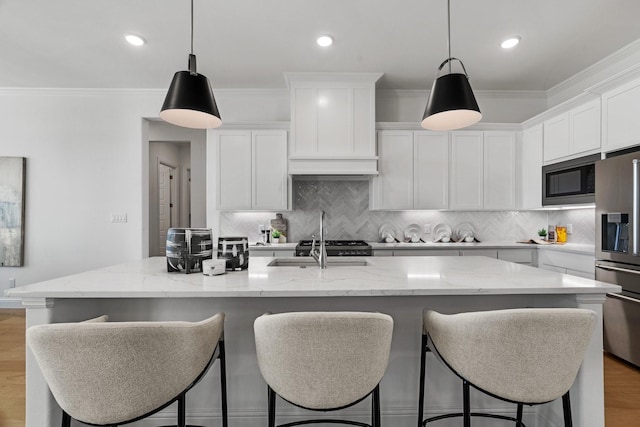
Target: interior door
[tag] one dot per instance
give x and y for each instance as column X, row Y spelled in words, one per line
column 166, row 205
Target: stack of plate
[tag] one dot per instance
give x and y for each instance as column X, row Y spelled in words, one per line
column 413, row 233
column 387, row 233
column 442, row 233
column 465, row 232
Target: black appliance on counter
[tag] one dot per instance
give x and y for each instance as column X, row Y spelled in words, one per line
column 618, row 251
column 570, row 182
column 336, row 248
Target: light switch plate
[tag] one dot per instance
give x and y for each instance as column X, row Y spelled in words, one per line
column 119, row 218
column 427, row 229
column 569, row 229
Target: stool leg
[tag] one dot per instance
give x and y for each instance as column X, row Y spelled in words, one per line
column 566, row 408
column 375, row 397
column 66, row 419
column 223, row 384
column 271, row 399
column 519, row 416
column 466, row 410
column 423, row 361
column 181, row 411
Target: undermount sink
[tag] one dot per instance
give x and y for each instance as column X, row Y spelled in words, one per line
column 304, row 262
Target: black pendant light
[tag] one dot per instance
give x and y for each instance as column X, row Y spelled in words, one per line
column 190, row 102
column 451, row 104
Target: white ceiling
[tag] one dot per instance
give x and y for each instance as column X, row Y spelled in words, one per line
column 250, row 43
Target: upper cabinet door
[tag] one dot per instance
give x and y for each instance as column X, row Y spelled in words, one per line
column 332, row 114
column 467, row 170
column 585, row 127
column 269, row 163
column 531, row 179
column 620, row 113
column 556, row 137
column 431, row 170
column 234, row 169
column 393, row 187
column 499, row 170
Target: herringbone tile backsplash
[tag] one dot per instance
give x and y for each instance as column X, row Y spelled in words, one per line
column 346, row 203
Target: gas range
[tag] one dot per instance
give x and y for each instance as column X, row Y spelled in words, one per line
column 337, row 248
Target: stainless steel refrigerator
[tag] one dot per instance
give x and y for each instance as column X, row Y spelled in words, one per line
column 618, row 251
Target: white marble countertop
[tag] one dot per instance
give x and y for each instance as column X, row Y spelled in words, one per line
column 577, row 248
column 382, row 276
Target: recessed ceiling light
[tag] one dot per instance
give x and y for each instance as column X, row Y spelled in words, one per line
column 134, row 40
column 510, row 42
column 325, row 41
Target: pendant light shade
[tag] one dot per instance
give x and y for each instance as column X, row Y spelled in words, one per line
column 190, row 102
column 451, row 103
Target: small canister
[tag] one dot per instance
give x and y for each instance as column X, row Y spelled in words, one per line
column 214, row 267
column 235, row 250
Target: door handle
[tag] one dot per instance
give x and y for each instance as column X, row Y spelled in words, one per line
column 610, row 268
column 636, row 208
column 624, row 298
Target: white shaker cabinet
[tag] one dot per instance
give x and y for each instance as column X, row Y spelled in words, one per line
column 467, row 170
column 620, row 113
column 556, row 137
column 413, row 171
column 431, row 170
column 332, row 123
column 251, row 169
column 573, row 133
column 531, row 168
column 499, row 170
column 393, row 187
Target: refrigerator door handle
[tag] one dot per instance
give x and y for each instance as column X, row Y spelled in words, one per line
column 636, row 208
column 623, row 297
column 610, row 268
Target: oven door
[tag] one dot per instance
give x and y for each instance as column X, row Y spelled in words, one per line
column 621, row 312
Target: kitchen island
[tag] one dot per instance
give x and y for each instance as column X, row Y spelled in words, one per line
column 399, row 286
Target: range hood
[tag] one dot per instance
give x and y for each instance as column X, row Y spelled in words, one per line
column 332, row 123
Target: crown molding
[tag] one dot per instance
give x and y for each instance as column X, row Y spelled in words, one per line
column 415, row 126
column 293, row 77
column 602, row 66
column 560, row 108
column 53, row 91
column 496, row 94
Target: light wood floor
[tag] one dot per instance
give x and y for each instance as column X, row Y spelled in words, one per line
column 621, row 380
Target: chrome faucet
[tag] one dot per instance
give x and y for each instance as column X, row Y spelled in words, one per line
column 320, row 255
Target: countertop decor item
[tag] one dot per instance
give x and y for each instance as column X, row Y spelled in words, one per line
column 280, row 224
column 190, row 102
column 387, row 233
column 235, row 250
column 187, row 248
column 465, row 232
column 412, row 233
column 442, row 233
column 451, row 104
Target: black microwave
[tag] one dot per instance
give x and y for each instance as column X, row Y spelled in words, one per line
column 570, row 182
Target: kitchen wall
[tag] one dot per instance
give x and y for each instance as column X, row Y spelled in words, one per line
column 346, row 203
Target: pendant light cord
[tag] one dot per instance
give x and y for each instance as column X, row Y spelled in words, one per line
column 448, row 31
column 192, row 57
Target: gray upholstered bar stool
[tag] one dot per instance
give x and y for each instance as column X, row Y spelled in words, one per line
column 523, row 356
column 323, row 361
column 112, row 373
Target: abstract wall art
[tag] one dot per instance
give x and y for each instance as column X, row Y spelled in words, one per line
column 12, row 196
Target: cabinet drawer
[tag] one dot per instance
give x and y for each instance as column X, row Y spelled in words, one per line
column 491, row 253
column 426, row 252
column 382, row 252
column 523, row 256
column 578, row 262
